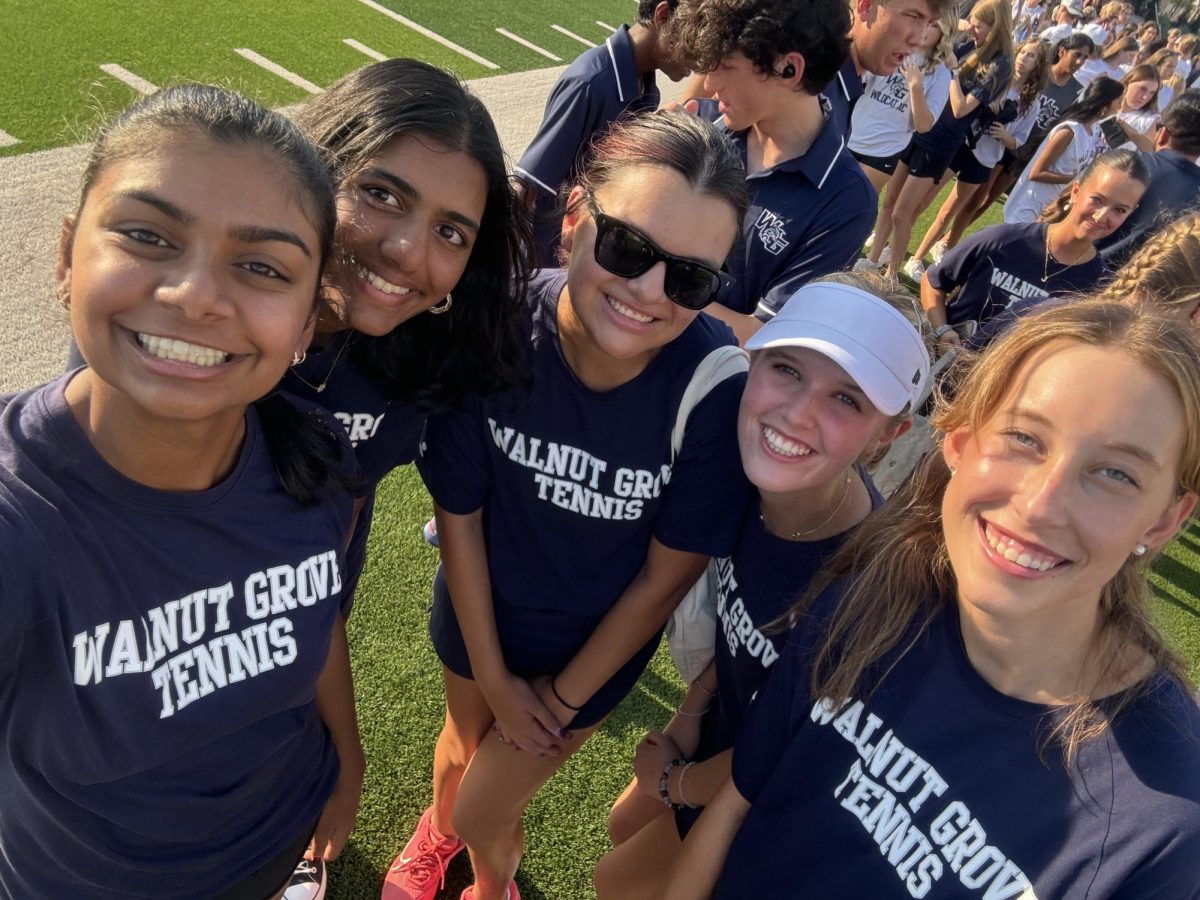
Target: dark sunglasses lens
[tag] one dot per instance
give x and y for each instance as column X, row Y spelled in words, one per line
column 622, row 252
column 691, row 285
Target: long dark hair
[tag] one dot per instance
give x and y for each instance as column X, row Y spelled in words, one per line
column 480, row 346
column 306, row 453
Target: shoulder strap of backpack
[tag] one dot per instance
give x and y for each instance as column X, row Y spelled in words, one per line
column 720, row 364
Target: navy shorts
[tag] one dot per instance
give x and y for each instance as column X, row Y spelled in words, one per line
column 923, row 163
column 885, row 164
column 529, row 661
column 968, row 167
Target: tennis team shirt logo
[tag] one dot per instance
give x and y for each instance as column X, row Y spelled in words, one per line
column 188, row 647
column 906, row 807
column 770, row 228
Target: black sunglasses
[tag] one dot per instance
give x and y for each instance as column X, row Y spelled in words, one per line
column 625, row 251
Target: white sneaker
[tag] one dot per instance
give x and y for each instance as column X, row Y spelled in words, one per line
column 864, row 265
column 867, row 244
column 938, row 250
column 308, row 881
column 885, row 256
column 914, row 269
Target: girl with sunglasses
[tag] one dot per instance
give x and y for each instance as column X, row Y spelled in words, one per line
column 833, row 379
column 977, row 702
column 569, row 528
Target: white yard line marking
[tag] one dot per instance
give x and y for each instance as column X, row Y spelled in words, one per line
column 432, row 35
column 364, row 49
column 573, row 35
column 605, row 25
column 7, row 140
column 139, row 84
column 524, row 43
column 275, row 69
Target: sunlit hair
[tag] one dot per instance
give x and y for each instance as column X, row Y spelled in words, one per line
column 1143, row 72
column 1165, row 272
column 947, row 25
column 997, row 15
column 898, row 571
column 1119, row 46
column 692, row 148
column 1033, row 86
column 1127, row 162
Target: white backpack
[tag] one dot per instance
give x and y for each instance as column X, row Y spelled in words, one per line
column 692, row 628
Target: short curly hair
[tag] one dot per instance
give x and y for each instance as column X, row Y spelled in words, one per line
column 706, row 31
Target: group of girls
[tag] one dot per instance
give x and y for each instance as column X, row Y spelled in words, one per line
column 982, row 69
column 207, row 529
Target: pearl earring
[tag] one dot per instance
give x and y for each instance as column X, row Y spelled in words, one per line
column 1139, row 550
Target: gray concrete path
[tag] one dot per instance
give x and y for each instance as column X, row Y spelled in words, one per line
column 38, row 189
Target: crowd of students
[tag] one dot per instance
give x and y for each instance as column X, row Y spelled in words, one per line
column 637, row 369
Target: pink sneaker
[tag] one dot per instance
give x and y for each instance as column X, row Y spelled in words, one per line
column 419, row 872
column 513, row 894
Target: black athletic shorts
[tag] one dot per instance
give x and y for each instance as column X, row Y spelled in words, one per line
column 885, row 164
column 968, row 167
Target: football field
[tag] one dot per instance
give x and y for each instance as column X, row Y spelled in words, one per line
column 65, row 65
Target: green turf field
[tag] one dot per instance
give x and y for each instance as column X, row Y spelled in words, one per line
column 54, row 92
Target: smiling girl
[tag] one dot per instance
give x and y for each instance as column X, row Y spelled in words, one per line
column 176, row 707
column 430, row 265
column 1004, row 271
column 569, row 528
column 980, row 703
column 821, row 399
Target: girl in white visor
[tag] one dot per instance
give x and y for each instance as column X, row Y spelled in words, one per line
column 833, row 379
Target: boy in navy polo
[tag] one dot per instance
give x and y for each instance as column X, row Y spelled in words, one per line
column 811, row 206
column 601, row 84
column 882, row 33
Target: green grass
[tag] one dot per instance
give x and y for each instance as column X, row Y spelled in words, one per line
column 55, row 94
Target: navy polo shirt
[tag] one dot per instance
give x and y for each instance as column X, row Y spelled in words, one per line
column 808, row 217
column 842, row 93
column 1174, row 189
column 598, row 87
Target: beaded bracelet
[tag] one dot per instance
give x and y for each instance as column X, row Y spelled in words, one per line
column 682, row 799
column 663, row 793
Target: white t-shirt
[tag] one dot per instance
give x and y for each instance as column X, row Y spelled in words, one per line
column 1166, row 94
column 1098, row 33
column 1093, row 69
column 1028, row 198
column 1183, row 68
column 881, row 124
column 1142, row 119
column 989, row 150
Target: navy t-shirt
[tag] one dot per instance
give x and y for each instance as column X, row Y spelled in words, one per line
column 598, row 87
column 808, row 216
column 384, row 432
column 159, row 655
column 935, row 788
column 999, row 273
column 985, row 84
column 1173, row 191
column 573, row 483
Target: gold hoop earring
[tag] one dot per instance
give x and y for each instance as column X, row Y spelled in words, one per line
column 442, row 307
column 299, row 356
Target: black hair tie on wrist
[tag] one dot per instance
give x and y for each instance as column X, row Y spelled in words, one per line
column 559, row 697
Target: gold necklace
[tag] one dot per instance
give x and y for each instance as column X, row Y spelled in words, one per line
column 1046, row 261
column 797, row 535
column 321, row 387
